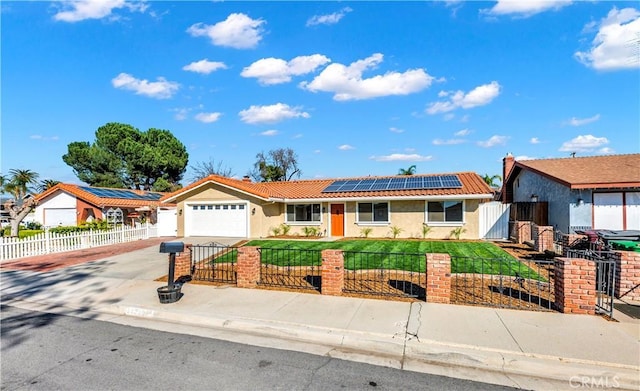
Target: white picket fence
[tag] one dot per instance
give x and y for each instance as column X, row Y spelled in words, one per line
column 49, row 242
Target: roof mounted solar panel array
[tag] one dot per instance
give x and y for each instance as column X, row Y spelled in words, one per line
column 399, row 183
column 125, row 194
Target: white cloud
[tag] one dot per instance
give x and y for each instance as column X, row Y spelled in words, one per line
column 493, row 141
column 584, row 143
column 271, row 114
column 43, row 138
column 204, row 66
column 615, row 46
column 296, row 136
column 582, row 121
column 328, row 19
column 237, row 31
column 524, row 157
column 606, row 151
column 160, row 89
column 347, row 82
column 396, row 130
column 453, row 141
column 462, row 133
column 180, row 113
column 346, row 147
column 534, row 140
column 208, row 118
column 402, row 157
column 271, row 132
column 275, row 71
column 479, row 96
column 525, row 8
column 78, row 10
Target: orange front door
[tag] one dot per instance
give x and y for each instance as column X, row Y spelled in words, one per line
column 337, row 220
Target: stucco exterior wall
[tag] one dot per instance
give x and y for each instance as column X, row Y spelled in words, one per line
column 58, row 200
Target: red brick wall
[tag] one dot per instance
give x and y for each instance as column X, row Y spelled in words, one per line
column 332, row 272
column 522, row 231
column 575, row 286
column 438, row 278
column 183, row 262
column 628, row 275
column 543, row 236
column 248, row 267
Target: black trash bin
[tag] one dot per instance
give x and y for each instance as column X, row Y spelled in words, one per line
column 172, row 292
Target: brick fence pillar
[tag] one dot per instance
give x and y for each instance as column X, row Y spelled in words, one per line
column 575, row 286
column 183, row 262
column 570, row 239
column 543, row 238
column 332, row 272
column 248, row 267
column 628, row 275
column 438, row 278
column 523, row 231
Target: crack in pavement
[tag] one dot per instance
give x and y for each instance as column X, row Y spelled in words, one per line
column 407, row 333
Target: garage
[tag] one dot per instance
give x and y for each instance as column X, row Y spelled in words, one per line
column 607, row 211
column 59, row 216
column 216, row 219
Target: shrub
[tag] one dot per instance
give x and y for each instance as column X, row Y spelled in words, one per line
column 33, row 225
column 366, row 231
column 285, row 228
column 395, row 231
column 456, row 232
column 425, row 230
column 310, row 231
column 275, row 231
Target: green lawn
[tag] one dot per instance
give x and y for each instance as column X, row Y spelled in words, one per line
column 466, row 257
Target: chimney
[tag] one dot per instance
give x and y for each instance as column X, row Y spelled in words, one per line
column 507, row 165
column 246, row 178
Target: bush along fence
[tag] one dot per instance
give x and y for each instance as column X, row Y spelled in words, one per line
column 568, row 285
column 49, row 242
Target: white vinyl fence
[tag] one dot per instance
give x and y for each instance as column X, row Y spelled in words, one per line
column 494, row 220
column 49, row 242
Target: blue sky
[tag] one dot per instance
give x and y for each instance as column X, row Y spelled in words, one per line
column 355, row 88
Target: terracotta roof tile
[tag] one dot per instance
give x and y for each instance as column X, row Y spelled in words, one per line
column 607, row 171
column 472, row 184
column 101, row 202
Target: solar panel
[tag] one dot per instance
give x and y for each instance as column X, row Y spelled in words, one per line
column 396, row 183
column 122, row 194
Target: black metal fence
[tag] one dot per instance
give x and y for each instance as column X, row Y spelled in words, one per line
column 385, row 274
column 505, row 283
column 214, row 263
column 605, row 262
column 290, row 268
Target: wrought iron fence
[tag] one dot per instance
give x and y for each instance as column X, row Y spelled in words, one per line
column 214, row 262
column 506, row 283
column 605, row 262
column 290, row 268
column 385, row 274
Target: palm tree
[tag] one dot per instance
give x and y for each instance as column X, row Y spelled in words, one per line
column 409, row 171
column 490, row 180
column 18, row 185
column 20, row 181
column 47, row 184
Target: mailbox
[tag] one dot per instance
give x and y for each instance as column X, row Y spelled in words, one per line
column 171, row 247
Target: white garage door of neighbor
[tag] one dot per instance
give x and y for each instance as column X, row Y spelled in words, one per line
column 60, row 216
column 633, row 210
column 228, row 219
column 607, row 211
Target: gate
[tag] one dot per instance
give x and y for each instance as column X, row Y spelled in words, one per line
column 494, row 220
column 290, row 268
column 605, row 276
column 214, row 262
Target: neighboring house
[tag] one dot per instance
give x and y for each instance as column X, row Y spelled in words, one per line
column 220, row 206
column 67, row 204
column 599, row 192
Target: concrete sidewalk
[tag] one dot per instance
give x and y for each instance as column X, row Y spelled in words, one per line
column 531, row 350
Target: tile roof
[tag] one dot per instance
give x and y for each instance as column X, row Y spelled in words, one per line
column 77, row 191
column 592, row 172
column 472, row 184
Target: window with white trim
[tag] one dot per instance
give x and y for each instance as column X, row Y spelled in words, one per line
column 373, row 212
column 303, row 213
column 445, row 211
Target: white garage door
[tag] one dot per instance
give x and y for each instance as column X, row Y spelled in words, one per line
column 633, row 210
column 59, row 216
column 228, row 219
column 607, row 211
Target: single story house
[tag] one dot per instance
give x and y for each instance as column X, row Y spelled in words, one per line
column 221, row 206
column 68, row 204
column 594, row 192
